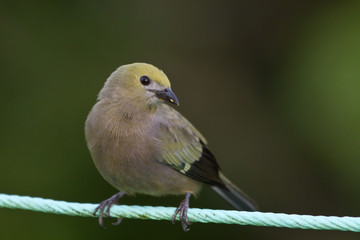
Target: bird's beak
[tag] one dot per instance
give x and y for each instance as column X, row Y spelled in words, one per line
column 167, row 95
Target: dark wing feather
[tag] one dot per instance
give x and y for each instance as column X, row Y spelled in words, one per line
column 184, row 149
column 205, row 169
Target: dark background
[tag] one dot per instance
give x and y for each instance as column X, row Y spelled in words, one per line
column 273, row 85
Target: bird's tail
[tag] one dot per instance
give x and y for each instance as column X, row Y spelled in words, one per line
column 233, row 195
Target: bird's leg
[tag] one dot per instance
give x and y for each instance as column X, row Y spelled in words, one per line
column 104, row 207
column 183, row 209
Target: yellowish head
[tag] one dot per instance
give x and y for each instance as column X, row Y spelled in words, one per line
column 140, row 82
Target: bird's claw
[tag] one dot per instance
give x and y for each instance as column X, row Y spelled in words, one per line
column 104, row 208
column 182, row 211
column 119, row 220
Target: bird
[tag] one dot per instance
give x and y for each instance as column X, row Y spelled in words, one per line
column 141, row 145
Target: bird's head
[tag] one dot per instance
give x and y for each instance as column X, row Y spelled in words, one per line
column 140, row 83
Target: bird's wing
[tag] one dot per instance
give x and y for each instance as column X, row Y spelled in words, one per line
column 184, row 149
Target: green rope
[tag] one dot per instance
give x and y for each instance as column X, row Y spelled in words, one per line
column 194, row 214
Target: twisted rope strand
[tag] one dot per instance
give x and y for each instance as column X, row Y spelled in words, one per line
column 194, row 214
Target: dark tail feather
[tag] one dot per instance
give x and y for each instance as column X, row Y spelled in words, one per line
column 233, row 195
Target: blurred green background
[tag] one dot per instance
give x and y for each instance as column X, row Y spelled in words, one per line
column 273, row 85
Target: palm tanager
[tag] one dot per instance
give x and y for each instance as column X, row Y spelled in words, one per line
column 141, row 145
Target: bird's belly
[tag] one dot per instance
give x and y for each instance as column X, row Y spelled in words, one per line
column 157, row 179
column 142, row 173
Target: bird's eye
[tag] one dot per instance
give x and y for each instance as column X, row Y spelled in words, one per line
column 145, row 80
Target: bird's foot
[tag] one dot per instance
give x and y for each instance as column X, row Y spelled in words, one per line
column 104, row 208
column 183, row 209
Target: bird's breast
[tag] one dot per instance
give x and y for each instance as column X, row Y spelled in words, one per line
column 126, row 152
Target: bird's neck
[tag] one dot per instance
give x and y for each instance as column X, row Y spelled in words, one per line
column 130, row 109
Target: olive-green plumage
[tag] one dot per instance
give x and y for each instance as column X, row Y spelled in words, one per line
column 141, row 145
